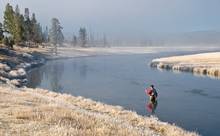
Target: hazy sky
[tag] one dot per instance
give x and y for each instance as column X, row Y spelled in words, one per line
column 126, row 17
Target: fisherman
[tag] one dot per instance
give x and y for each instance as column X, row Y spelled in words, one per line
column 152, row 92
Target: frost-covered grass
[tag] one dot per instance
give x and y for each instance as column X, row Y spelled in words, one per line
column 41, row 112
column 202, row 64
column 93, row 51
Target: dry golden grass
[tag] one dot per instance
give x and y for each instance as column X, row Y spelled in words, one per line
column 200, row 64
column 41, row 112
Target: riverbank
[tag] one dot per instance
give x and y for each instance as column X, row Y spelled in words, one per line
column 14, row 64
column 200, row 64
column 28, row 111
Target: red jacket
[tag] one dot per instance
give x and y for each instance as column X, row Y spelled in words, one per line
column 149, row 91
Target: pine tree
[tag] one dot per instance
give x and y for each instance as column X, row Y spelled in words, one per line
column 22, row 23
column 83, row 36
column 56, row 36
column 27, row 26
column 9, row 23
column 26, row 14
column 39, row 35
column 1, row 32
column 9, row 42
column 9, row 26
column 5, row 41
column 19, row 26
column 60, row 37
column 45, row 35
column 36, row 30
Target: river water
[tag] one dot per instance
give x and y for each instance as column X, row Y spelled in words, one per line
column 189, row 101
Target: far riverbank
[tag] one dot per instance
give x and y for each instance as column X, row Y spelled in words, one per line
column 200, row 64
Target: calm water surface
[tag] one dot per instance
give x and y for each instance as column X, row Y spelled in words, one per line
column 189, row 101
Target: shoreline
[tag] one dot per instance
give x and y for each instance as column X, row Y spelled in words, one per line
column 203, row 64
column 15, row 65
column 129, row 122
column 25, row 111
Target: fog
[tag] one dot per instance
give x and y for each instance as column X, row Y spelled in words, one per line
column 134, row 20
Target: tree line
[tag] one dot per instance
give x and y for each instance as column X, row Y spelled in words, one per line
column 85, row 39
column 25, row 30
column 20, row 29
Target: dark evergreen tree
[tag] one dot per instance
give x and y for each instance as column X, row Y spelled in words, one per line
column 39, row 33
column 5, row 41
column 46, row 35
column 1, row 32
column 9, row 26
column 9, row 42
column 83, row 37
column 26, row 14
column 36, row 30
column 19, row 26
column 9, row 23
column 27, row 26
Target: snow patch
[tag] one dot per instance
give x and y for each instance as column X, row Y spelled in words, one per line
column 20, row 73
column 27, row 55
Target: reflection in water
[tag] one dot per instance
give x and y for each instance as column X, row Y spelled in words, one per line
column 151, row 106
column 52, row 73
column 80, row 67
column 56, row 71
column 36, row 77
column 83, row 70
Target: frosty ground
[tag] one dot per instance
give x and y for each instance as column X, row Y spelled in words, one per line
column 199, row 64
column 26, row 111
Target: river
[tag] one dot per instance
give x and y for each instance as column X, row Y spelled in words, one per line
column 189, row 101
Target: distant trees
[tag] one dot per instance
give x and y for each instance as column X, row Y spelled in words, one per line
column 82, row 37
column 20, row 28
column 89, row 39
column 25, row 30
column 74, row 40
column 105, row 42
column 55, row 34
